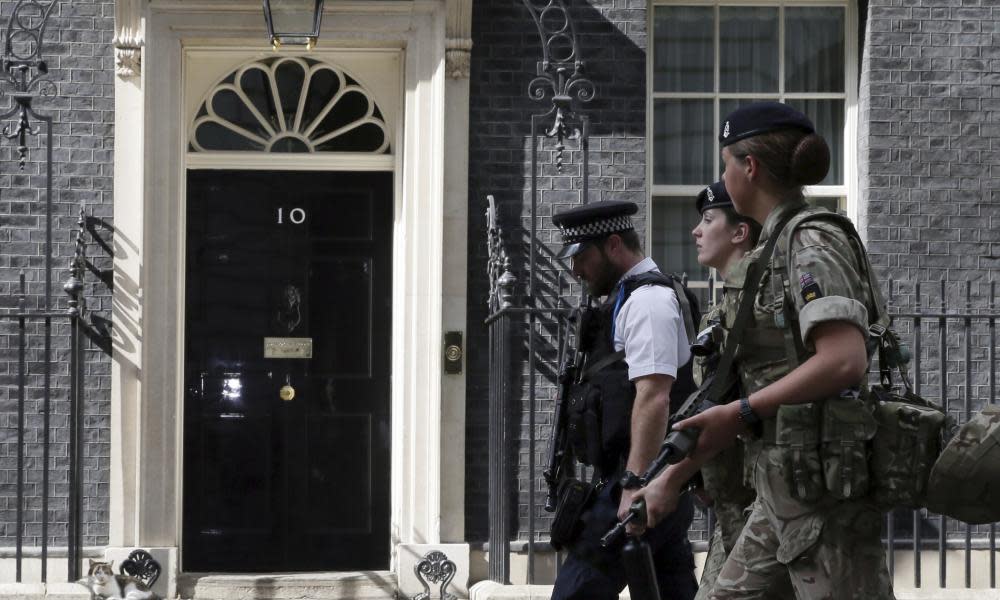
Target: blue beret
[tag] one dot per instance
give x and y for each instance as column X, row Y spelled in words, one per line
column 592, row 221
column 714, row 196
column 761, row 117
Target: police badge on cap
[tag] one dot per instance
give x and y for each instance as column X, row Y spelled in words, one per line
column 714, row 196
column 761, row 117
column 589, row 222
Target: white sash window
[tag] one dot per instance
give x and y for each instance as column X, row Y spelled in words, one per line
column 707, row 59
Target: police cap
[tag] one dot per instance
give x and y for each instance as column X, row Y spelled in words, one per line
column 761, row 117
column 714, row 196
column 592, row 221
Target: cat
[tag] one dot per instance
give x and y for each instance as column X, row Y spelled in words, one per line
column 102, row 582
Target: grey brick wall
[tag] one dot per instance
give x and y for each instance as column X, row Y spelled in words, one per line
column 81, row 63
column 612, row 35
column 929, row 138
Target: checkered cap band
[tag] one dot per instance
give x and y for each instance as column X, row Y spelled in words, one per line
column 595, row 229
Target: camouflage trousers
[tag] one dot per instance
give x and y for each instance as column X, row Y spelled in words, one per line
column 830, row 550
column 730, row 518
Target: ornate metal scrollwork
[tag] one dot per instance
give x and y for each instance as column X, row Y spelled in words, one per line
column 436, row 569
column 24, row 70
column 141, row 565
column 561, row 73
column 498, row 264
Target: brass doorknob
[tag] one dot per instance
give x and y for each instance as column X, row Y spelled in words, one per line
column 287, row 393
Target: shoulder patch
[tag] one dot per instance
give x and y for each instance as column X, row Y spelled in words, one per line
column 809, row 288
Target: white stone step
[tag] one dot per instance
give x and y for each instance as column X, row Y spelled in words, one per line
column 360, row 585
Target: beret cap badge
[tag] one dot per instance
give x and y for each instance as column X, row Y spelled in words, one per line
column 713, row 196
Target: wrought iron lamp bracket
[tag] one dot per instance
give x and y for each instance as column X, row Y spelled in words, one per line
column 561, row 74
column 24, row 71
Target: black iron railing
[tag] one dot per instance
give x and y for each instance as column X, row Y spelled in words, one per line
column 39, row 319
column 562, row 82
column 956, row 333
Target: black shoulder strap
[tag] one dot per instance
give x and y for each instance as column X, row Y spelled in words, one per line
column 629, row 285
column 632, row 283
column 755, row 271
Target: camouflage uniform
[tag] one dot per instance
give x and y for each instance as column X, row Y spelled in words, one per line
column 829, row 547
column 731, row 497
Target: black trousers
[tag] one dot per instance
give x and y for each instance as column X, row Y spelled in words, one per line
column 592, row 572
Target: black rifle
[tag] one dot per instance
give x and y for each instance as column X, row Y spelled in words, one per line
column 560, row 454
column 678, row 444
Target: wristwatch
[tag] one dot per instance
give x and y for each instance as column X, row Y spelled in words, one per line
column 630, row 481
column 749, row 418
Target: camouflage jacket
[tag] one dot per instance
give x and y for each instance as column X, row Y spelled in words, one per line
column 816, row 274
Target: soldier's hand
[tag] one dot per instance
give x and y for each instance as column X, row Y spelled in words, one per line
column 661, row 500
column 718, row 427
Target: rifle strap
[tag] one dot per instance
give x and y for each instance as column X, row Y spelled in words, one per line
column 755, row 272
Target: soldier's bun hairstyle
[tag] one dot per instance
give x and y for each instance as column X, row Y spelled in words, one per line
column 791, row 158
column 810, row 160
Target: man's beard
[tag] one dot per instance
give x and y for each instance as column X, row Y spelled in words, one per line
column 605, row 280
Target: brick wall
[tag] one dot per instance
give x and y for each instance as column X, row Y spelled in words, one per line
column 928, row 138
column 78, row 51
column 612, row 37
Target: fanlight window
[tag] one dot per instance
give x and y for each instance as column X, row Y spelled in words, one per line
column 289, row 105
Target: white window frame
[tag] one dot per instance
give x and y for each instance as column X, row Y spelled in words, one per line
column 847, row 190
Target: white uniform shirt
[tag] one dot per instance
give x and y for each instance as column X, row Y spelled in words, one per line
column 650, row 328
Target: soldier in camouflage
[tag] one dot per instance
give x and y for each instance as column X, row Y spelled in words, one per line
column 801, row 361
column 722, row 239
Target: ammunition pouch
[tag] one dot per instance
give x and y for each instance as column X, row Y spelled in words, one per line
column 848, row 428
column 574, row 498
column 797, row 434
column 583, row 423
column 600, row 412
column 908, row 442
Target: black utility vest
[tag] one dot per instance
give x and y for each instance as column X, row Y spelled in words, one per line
column 606, row 385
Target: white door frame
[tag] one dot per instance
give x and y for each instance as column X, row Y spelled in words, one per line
column 151, row 160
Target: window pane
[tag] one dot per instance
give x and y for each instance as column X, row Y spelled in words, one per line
column 748, row 49
column 684, row 51
column 673, row 245
column 683, row 142
column 834, row 203
column 828, row 116
column 814, row 49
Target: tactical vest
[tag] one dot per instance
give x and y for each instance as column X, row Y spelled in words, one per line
column 722, row 476
column 601, row 407
column 824, row 444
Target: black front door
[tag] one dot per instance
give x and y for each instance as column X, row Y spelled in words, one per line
column 286, row 378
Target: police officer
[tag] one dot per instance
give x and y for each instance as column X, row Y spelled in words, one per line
column 646, row 324
column 800, row 363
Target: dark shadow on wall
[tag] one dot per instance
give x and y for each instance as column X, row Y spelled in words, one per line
column 506, row 50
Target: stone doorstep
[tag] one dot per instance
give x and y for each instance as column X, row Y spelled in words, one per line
column 490, row 590
column 361, row 585
column 38, row 591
